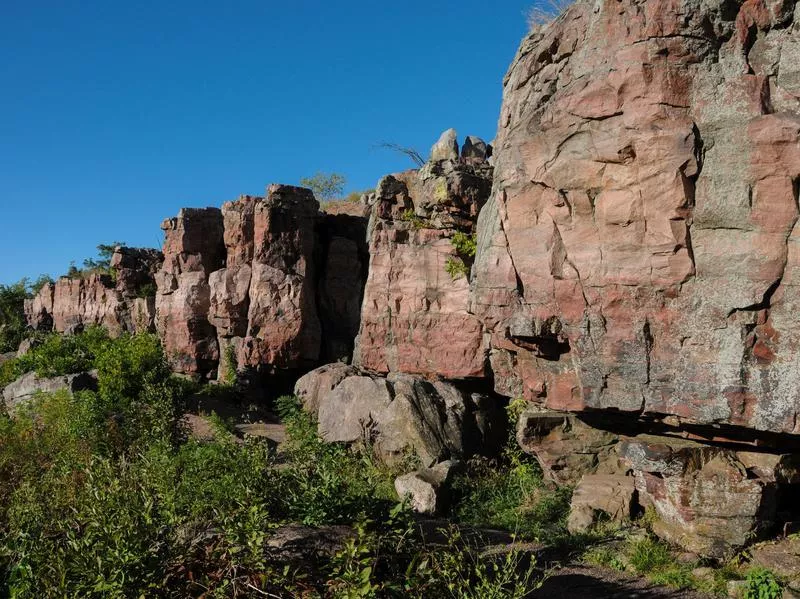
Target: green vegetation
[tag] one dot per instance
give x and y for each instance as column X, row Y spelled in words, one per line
column 409, row 216
column 13, row 328
column 460, row 265
column 326, row 186
column 12, row 316
column 100, row 265
column 104, row 496
column 762, row 584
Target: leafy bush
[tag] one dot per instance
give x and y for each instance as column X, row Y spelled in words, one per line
column 64, row 354
column 465, row 245
column 456, row 268
column 409, row 216
column 762, row 584
column 12, row 317
column 101, row 498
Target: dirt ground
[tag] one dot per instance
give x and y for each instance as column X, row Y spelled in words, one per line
column 581, row 582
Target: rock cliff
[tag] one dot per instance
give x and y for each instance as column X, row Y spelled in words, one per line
column 640, row 250
column 121, row 301
column 625, row 257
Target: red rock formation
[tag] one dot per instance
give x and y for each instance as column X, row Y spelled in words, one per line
column 640, row 249
column 283, row 326
column 193, row 248
column 121, row 302
column 415, row 315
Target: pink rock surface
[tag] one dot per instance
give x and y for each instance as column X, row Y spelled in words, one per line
column 283, row 326
column 122, row 303
column 193, row 248
column 640, row 249
column 415, row 316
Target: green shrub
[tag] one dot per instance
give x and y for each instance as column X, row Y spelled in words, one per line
column 12, row 317
column 456, row 268
column 762, row 584
column 326, row 186
column 465, row 245
column 146, row 290
column 64, row 354
column 409, row 216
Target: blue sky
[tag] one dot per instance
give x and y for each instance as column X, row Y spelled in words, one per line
column 116, row 114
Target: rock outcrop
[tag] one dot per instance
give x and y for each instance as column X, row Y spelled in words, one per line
column 122, row 301
column 401, row 414
column 709, row 500
column 29, row 385
column 639, row 252
column 193, row 249
column 415, row 316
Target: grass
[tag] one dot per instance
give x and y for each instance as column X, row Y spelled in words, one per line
column 546, row 11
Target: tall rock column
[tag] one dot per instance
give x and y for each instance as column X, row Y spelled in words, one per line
column 415, row 316
column 283, row 326
column 193, row 249
column 230, row 286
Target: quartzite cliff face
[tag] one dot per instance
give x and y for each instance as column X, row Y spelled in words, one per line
column 640, row 251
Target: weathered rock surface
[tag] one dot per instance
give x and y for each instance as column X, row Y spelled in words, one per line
column 272, row 284
column 709, row 500
column 610, row 496
column 426, row 489
column 193, row 249
column 311, row 387
column 402, row 413
column 283, row 326
column 781, row 557
column 121, row 303
column 29, row 385
column 640, row 249
column 343, row 259
column 415, row 316
column 565, row 447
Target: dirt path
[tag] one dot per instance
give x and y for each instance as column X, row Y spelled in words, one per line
column 581, row 582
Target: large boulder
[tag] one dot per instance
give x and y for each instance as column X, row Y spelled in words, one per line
column 640, row 251
column 709, row 500
column 601, row 497
column 401, row 413
column 565, row 447
column 29, row 385
column 427, row 489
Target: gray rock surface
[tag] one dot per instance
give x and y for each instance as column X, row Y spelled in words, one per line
column 446, row 148
column 427, row 488
column 403, row 413
column 29, row 385
column 608, row 496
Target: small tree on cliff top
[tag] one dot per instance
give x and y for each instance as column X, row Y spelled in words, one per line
column 326, row 186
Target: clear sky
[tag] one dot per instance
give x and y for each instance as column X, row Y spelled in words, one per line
column 113, row 115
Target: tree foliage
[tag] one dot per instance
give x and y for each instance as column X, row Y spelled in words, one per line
column 326, row 186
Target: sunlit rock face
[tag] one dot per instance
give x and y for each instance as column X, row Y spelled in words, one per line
column 262, row 283
column 415, row 316
column 640, row 251
column 122, row 301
